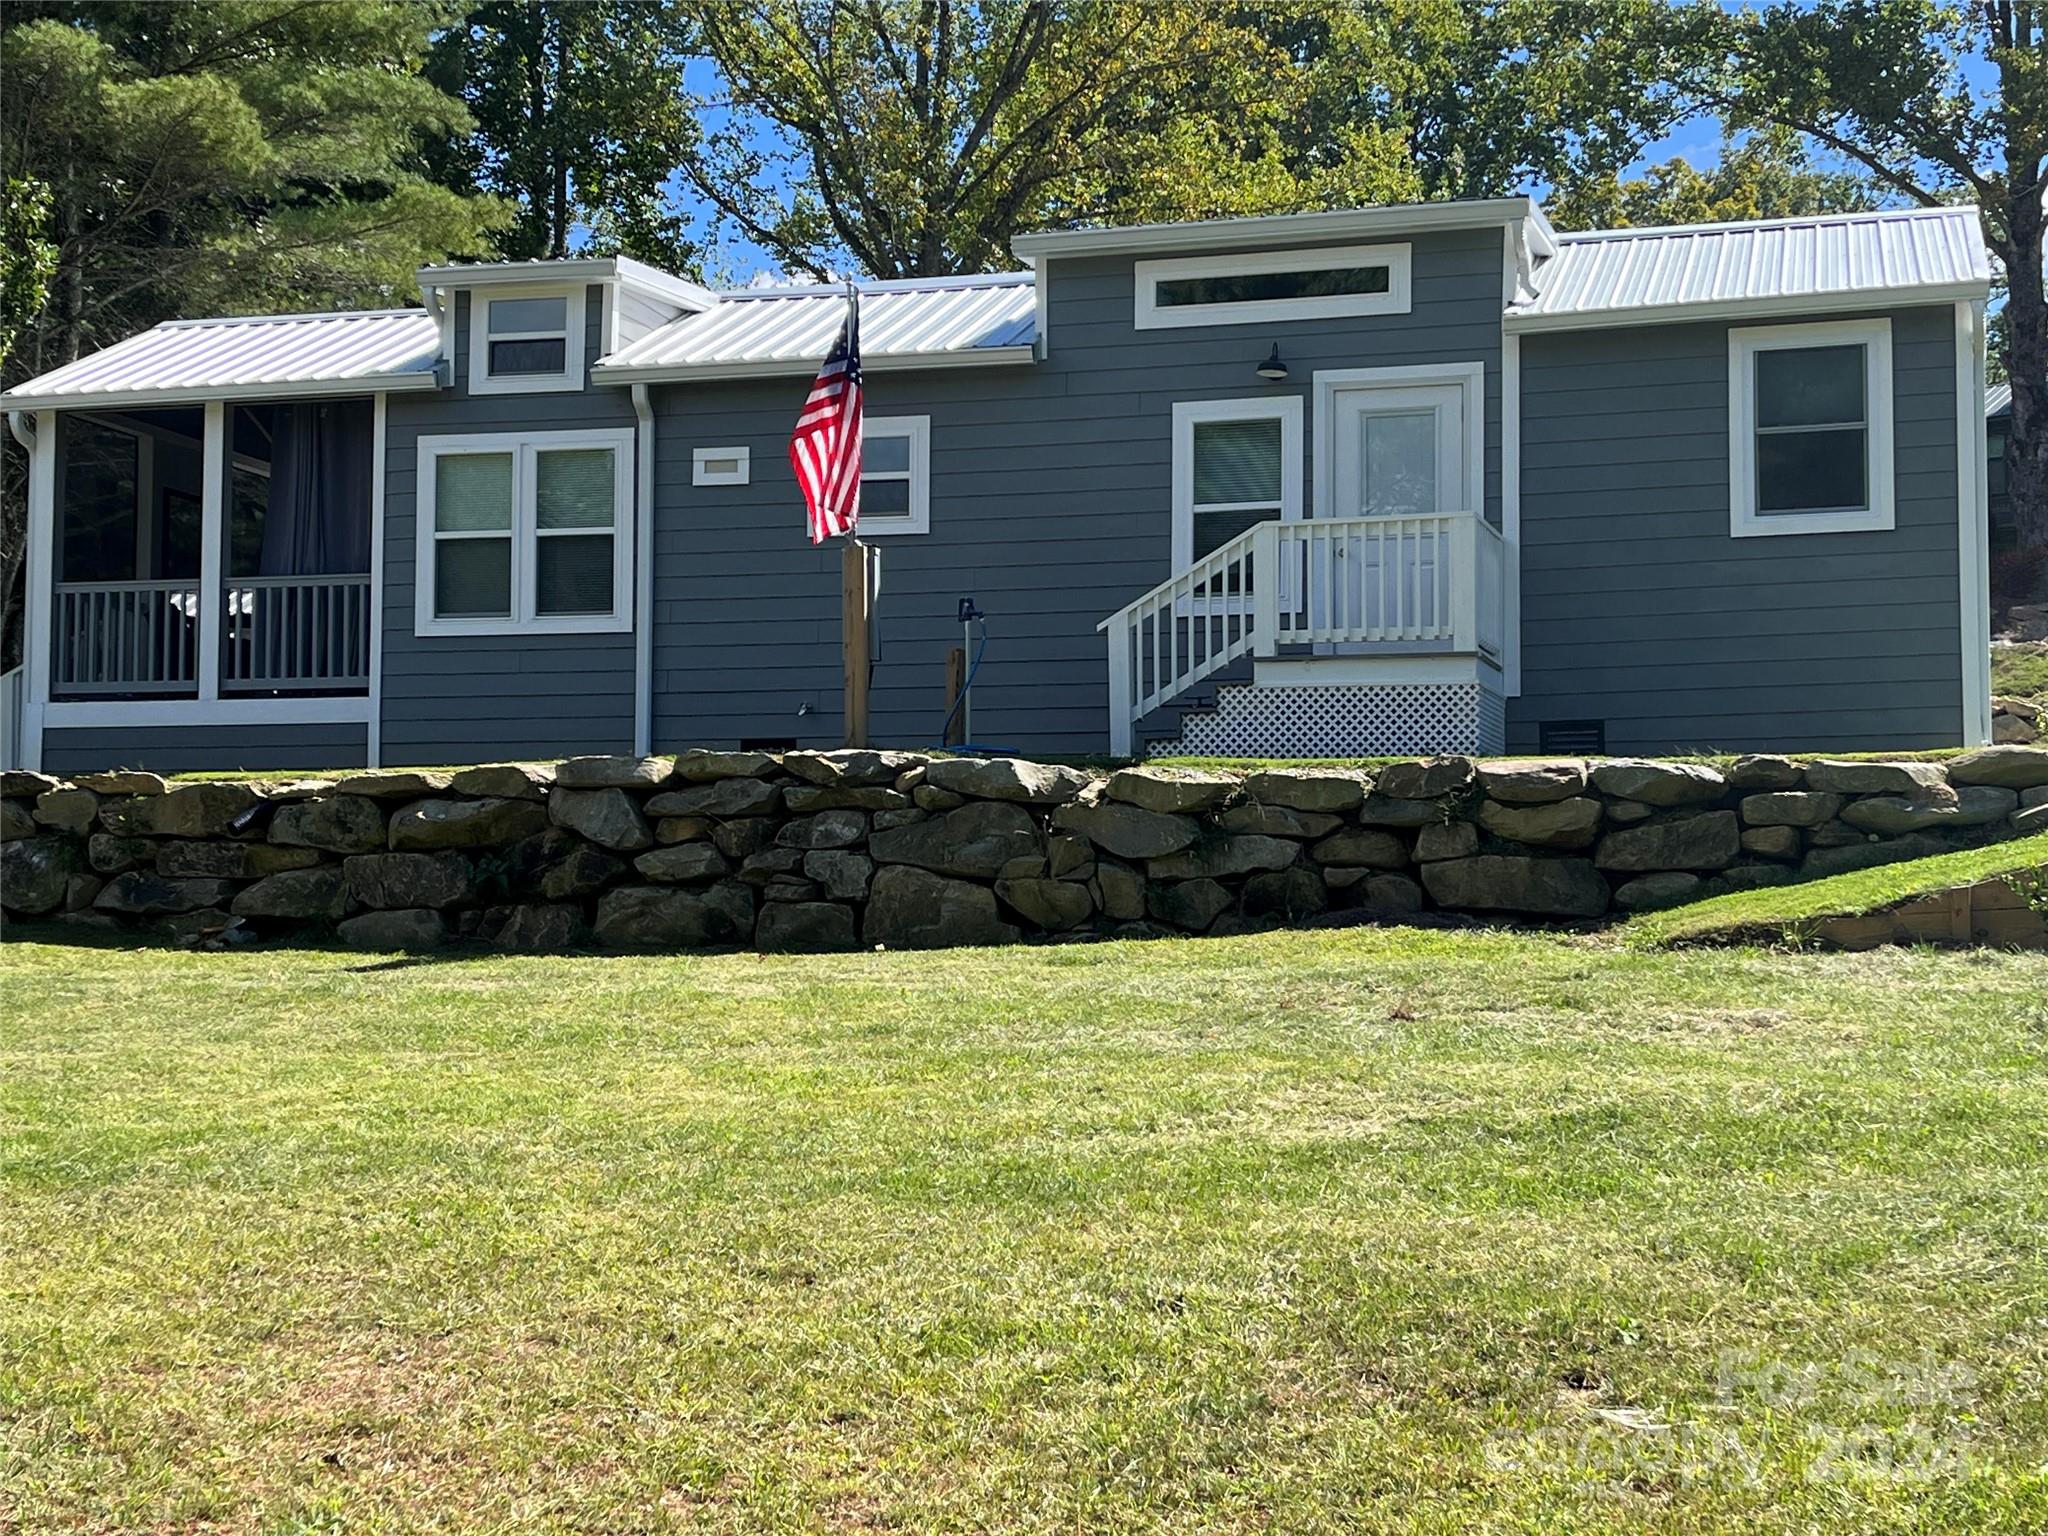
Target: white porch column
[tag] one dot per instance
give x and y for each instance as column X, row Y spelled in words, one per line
column 39, row 589
column 212, row 555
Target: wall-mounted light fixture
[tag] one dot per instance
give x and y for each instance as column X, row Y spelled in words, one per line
column 1272, row 370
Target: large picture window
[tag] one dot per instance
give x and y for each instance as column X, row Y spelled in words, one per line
column 525, row 340
column 1810, row 434
column 521, row 533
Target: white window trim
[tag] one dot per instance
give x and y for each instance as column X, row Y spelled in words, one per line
column 702, row 474
column 1149, row 316
column 919, row 430
column 570, row 378
column 1285, row 409
column 525, row 537
column 1744, row 344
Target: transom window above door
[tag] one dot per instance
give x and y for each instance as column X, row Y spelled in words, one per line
column 525, row 533
column 525, row 340
column 1264, row 286
column 1236, row 464
column 1810, row 428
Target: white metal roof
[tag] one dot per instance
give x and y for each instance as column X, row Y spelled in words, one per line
column 584, row 269
column 1267, row 229
column 919, row 323
column 267, row 355
column 1998, row 398
column 1809, row 265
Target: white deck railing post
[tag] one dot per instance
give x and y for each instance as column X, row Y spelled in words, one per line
column 212, row 546
column 1464, row 571
column 1120, row 686
column 1266, row 589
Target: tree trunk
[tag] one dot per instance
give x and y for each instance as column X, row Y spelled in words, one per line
column 2026, row 365
column 558, row 233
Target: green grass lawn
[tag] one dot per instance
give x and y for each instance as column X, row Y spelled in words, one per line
column 1779, row 910
column 1327, row 1232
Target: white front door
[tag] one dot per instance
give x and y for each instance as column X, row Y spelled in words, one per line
column 1398, row 450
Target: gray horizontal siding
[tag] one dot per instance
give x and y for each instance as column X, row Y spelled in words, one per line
column 205, row 749
column 1050, row 504
column 451, row 699
column 1639, row 609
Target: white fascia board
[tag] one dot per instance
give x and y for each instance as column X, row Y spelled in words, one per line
column 1789, row 307
column 664, row 285
column 1253, row 233
column 804, row 367
column 299, row 389
column 524, row 274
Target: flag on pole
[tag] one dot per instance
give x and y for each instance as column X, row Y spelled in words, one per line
column 825, row 447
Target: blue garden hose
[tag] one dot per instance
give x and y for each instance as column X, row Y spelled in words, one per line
column 966, row 684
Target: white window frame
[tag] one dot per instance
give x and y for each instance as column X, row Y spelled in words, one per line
column 702, row 474
column 919, row 518
column 481, row 381
column 1745, row 343
column 1151, row 316
column 1285, row 409
column 524, row 447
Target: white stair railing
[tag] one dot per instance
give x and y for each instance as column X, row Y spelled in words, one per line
column 1424, row 583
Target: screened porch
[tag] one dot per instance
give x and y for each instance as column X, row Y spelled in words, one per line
column 265, row 592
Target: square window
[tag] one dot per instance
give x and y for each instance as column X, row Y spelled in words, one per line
column 524, row 340
column 1810, row 428
column 895, row 474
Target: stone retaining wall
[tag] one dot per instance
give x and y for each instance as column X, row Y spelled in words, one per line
column 839, row 850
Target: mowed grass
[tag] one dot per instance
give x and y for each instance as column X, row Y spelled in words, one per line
column 1316, row 1232
column 1782, row 911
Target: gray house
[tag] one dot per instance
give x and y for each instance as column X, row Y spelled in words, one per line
column 1380, row 481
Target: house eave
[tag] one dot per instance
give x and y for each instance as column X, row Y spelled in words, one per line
column 1270, row 230
column 805, row 367
column 297, row 389
column 1785, row 307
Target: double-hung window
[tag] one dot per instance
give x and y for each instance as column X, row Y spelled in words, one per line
column 1236, row 463
column 524, row 340
column 1810, row 428
column 895, row 474
column 529, row 532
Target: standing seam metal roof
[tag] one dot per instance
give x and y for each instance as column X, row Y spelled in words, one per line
column 191, row 357
column 1607, row 272
column 796, row 326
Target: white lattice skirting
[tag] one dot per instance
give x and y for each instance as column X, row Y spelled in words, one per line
column 1344, row 720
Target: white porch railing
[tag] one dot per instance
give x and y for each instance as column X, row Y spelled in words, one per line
column 296, row 632
column 1426, row 583
column 125, row 637
column 277, row 632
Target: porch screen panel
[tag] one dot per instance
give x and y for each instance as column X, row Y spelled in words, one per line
column 1237, row 479
column 575, row 505
column 473, row 535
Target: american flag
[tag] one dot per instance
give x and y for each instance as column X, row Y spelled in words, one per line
column 825, row 447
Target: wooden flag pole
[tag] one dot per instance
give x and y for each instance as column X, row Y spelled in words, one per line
column 856, row 595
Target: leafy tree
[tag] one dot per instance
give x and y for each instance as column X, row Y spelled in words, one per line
column 1765, row 175
column 918, row 136
column 581, row 115
column 1490, row 96
column 1885, row 84
column 28, row 256
column 223, row 157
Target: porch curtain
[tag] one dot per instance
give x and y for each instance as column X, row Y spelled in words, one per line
column 317, row 520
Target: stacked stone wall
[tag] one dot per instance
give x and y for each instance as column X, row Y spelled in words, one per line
column 842, row 850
